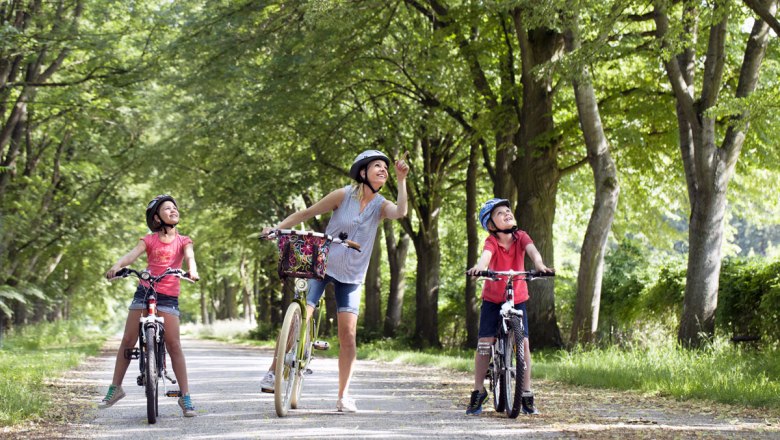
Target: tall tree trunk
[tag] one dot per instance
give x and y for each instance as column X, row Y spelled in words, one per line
column 472, row 251
column 204, row 311
column 586, row 308
column 426, row 333
column 372, row 316
column 396, row 258
column 246, row 289
column 708, row 166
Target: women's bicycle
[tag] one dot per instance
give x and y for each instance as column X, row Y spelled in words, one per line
column 302, row 255
column 507, row 358
column 150, row 351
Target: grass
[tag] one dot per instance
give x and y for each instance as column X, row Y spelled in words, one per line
column 720, row 373
column 32, row 357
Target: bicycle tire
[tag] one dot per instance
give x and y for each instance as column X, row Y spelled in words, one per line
column 301, row 371
column 150, row 379
column 514, row 360
column 287, row 359
column 499, row 384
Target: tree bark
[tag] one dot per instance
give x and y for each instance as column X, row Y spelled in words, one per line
column 396, row 258
column 372, row 316
column 426, row 333
column 536, row 171
column 586, row 308
column 472, row 251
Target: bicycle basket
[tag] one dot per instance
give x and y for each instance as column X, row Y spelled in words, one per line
column 303, row 255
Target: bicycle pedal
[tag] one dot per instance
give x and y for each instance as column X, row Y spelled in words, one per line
column 321, row 345
column 132, row 353
column 172, row 380
column 140, row 380
column 308, row 371
column 173, row 393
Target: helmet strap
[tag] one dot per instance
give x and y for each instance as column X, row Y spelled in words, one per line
column 511, row 230
column 365, row 180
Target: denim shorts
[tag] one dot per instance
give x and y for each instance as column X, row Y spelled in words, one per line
column 489, row 319
column 347, row 295
column 165, row 303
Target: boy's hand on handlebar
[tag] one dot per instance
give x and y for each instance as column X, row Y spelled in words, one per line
column 544, row 269
column 193, row 275
column 473, row 272
column 112, row 272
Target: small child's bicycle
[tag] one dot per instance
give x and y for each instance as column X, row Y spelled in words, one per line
column 151, row 341
column 302, row 255
column 507, row 357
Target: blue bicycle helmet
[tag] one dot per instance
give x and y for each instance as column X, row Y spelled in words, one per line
column 487, row 209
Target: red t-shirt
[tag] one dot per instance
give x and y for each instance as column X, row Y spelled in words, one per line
column 506, row 259
column 160, row 256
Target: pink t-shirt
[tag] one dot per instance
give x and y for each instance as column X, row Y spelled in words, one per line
column 160, row 256
column 506, row 259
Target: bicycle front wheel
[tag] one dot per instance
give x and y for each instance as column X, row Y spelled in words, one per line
column 514, row 361
column 301, row 370
column 287, row 363
column 150, row 375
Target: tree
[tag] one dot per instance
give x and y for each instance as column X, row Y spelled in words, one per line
column 709, row 163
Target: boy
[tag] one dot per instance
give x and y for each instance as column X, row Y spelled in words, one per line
column 504, row 249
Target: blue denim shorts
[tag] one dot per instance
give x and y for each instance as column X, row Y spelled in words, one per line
column 165, row 303
column 347, row 295
column 489, row 319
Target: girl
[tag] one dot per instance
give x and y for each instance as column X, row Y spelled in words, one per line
column 357, row 210
column 164, row 248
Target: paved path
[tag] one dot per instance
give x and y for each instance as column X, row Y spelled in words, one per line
column 395, row 401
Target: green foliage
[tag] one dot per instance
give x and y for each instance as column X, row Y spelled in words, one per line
column 32, row 358
column 748, row 298
column 622, row 286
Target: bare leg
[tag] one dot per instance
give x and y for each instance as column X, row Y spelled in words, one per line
column 129, row 338
column 173, row 345
column 481, row 363
column 347, row 323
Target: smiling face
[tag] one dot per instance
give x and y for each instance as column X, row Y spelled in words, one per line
column 168, row 213
column 503, row 218
column 376, row 173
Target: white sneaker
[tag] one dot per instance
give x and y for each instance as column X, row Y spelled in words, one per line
column 346, row 404
column 267, row 384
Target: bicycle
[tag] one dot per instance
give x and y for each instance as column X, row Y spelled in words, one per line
column 302, row 255
column 507, row 355
column 151, row 342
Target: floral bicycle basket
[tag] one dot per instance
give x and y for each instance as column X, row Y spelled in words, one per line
column 303, row 254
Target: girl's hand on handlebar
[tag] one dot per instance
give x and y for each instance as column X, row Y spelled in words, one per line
column 266, row 231
column 112, row 272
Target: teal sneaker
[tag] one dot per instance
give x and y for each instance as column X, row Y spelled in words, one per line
column 477, row 399
column 185, row 402
column 114, row 394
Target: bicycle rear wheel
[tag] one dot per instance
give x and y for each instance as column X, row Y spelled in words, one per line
column 150, row 375
column 287, row 363
column 514, row 360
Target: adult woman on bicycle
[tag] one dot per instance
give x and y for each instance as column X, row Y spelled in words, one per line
column 504, row 249
column 357, row 210
column 164, row 248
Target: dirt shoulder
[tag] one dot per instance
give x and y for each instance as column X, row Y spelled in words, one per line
column 395, row 401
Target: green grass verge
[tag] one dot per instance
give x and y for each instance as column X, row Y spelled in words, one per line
column 32, row 357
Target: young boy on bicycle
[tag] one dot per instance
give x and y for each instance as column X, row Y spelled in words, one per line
column 504, row 249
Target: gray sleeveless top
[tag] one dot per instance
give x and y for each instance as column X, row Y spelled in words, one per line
column 348, row 265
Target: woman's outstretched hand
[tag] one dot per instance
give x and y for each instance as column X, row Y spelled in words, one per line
column 401, row 168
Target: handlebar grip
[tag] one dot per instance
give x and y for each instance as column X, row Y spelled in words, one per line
column 485, row 274
column 352, row 244
column 123, row 272
column 538, row 274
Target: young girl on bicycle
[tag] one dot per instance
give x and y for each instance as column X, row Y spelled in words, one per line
column 357, row 210
column 164, row 248
column 504, row 249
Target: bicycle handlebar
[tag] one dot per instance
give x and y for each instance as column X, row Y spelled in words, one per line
column 147, row 276
column 528, row 274
column 341, row 239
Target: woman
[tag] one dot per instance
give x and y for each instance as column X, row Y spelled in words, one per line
column 357, row 210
